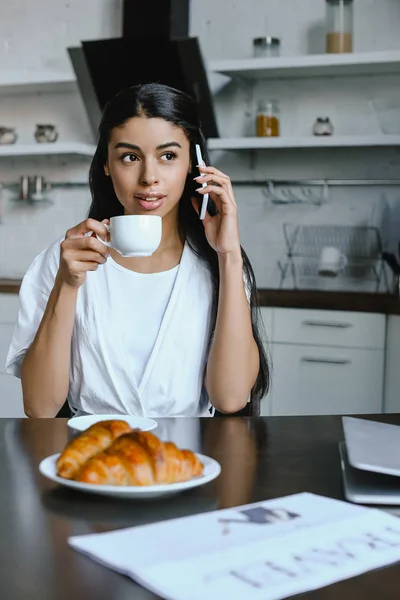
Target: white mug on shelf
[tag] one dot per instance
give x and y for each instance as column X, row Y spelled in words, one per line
column 331, row 262
column 134, row 235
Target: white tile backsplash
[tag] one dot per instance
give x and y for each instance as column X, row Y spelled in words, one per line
column 27, row 229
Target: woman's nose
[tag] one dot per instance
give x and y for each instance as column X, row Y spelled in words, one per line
column 149, row 175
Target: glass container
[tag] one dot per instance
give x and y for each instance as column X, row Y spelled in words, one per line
column 339, row 26
column 266, row 47
column 267, row 120
column 323, row 126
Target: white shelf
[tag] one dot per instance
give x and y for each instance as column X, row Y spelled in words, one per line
column 33, row 82
column 67, row 148
column 313, row 65
column 261, row 143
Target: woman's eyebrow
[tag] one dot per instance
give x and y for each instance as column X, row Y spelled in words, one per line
column 135, row 147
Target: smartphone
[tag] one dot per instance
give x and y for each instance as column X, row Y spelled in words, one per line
column 204, row 204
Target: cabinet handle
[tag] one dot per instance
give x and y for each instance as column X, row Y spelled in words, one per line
column 326, row 361
column 338, row 324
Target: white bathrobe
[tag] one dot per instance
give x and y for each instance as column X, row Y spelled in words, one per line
column 101, row 374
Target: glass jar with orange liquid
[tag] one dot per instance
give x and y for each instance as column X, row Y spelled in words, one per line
column 267, row 119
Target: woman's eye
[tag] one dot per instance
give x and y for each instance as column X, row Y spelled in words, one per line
column 128, row 158
column 169, row 156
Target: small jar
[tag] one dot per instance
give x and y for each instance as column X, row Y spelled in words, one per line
column 323, row 126
column 45, row 134
column 8, row 135
column 339, row 26
column 266, row 47
column 267, row 120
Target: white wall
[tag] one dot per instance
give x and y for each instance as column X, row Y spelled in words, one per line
column 35, row 34
column 227, row 28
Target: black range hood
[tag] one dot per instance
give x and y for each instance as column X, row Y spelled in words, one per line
column 146, row 53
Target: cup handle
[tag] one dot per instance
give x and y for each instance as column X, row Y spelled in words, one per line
column 108, row 244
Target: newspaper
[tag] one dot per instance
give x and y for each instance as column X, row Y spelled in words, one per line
column 263, row 551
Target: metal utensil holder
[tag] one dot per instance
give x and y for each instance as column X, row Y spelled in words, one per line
column 361, row 245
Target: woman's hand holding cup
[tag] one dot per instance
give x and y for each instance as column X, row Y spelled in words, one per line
column 81, row 252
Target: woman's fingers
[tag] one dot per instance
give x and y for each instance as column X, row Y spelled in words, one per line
column 209, row 169
column 86, row 243
column 220, row 196
column 87, row 226
column 84, row 256
column 212, row 175
column 86, row 266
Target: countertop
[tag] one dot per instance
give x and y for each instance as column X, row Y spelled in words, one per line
column 10, row 286
column 387, row 304
column 261, row 458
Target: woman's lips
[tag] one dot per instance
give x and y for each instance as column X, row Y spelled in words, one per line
column 150, row 203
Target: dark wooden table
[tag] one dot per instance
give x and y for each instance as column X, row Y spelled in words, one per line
column 261, row 458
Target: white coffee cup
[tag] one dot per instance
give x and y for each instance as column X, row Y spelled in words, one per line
column 331, row 262
column 134, row 235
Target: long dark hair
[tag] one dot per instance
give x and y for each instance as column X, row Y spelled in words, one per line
column 160, row 101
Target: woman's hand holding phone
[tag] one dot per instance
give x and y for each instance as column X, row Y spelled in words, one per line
column 222, row 230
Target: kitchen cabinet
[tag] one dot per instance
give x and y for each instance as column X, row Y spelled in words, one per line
column 267, row 318
column 329, row 328
column 391, row 402
column 11, row 404
column 311, row 380
column 325, row 362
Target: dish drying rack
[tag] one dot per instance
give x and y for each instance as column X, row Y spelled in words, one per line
column 361, row 245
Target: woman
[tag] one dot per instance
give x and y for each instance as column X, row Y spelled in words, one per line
column 167, row 335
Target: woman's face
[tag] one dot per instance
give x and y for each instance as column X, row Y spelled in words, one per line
column 148, row 162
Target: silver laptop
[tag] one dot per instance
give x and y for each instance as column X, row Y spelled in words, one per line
column 365, row 487
column 370, row 461
column 372, row 446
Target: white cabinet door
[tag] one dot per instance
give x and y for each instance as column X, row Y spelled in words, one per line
column 392, row 367
column 11, row 404
column 314, row 380
column 329, row 328
column 9, row 304
column 267, row 315
column 267, row 401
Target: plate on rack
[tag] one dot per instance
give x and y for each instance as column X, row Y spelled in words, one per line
column 212, row 469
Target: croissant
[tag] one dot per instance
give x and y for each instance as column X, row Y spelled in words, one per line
column 93, row 440
column 140, row 458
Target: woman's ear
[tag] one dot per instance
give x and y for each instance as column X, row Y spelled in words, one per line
column 106, row 171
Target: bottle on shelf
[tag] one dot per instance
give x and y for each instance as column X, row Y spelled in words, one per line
column 339, row 26
column 267, row 119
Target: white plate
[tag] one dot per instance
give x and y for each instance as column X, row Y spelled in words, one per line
column 211, row 470
column 82, row 423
